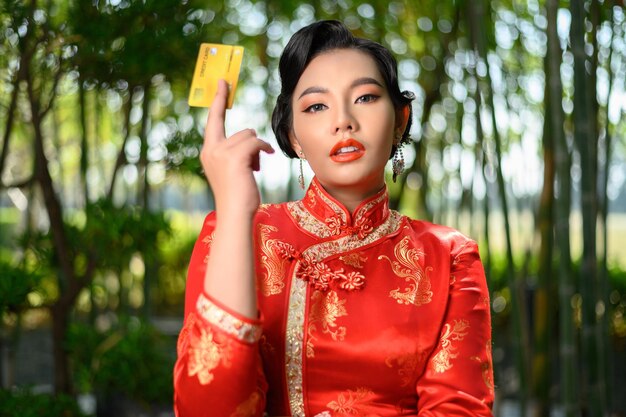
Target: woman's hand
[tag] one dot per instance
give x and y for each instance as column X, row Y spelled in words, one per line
column 229, row 162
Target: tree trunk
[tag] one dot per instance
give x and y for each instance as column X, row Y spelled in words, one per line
column 121, row 156
column 586, row 138
column 554, row 89
column 520, row 339
column 543, row 311
column 62, row 379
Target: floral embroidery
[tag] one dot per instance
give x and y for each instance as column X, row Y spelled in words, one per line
column 441, row 361
column 318, row 273
column 408, row 266
column 408, row 365
column 222, row 319
column 272, row 279
column 355, row 260
column 334, row 224
column 485, row 367
column 248, row 407
column 351, row 403
column 321, row 277
column 206, row 352
column 362, row 227
column 325, row 310
column 351, row 281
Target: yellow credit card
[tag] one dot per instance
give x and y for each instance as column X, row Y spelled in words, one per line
column 215, row 62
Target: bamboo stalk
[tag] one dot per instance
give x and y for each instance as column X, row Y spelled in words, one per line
column 586, row 140
column 520, row 339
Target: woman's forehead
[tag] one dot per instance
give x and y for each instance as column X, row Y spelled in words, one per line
column 340, row 65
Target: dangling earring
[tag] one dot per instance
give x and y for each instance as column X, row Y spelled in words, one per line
column 301, row 176
column 398, row 160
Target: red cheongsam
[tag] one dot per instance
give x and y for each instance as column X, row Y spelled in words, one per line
column 372, row 314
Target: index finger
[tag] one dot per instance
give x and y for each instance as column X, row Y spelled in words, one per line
column 215, row 122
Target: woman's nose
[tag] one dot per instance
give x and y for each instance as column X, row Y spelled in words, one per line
column 345, row 121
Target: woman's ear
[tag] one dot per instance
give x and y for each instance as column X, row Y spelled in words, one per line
column 295, row 145
column 402, row 119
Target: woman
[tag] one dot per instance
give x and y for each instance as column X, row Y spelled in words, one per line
column 333, row 305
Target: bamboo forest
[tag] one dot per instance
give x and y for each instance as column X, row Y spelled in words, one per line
column 518, row 141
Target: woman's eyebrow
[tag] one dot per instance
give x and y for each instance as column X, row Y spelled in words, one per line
column 355, row 83
column 313, row 90
column 365, row 81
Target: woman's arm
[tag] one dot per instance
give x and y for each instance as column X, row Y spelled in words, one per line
column 229, row 164
column 218, row 370
column 458, row 379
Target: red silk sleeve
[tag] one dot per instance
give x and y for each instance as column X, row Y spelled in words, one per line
column 458, row 379
column 218, row 371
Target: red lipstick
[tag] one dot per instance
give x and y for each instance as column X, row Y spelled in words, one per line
column 347, row 150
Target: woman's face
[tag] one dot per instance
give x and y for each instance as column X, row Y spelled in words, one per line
column 344, row 122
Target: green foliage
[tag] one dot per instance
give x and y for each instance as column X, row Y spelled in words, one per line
column 131, row 358
column 24, row 403
column 183, row 150
column 15, row 285
column 132, row 41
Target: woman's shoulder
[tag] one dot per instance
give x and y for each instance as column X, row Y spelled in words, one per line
column 271, row 213
column 442, row 234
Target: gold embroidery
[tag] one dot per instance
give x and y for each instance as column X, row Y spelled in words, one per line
column 183, row 337
column 325, row 309
column 307, row 221
column 293, row 341
column 266, row 348
column 311, row 196
column 297, row 295
column 272, row 281
column 407, row 266
column 408, row 365
column 441, row 361
column 230, row 324
column 354, row 260
column 363, row 210
column 206, row 352
column 350, row 403
column 208, row 241
column 321, row 276
column 485, row 367
column 248, row 407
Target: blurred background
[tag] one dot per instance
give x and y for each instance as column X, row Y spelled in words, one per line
column 518, row 141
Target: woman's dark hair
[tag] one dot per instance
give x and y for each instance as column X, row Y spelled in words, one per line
column 311, row 41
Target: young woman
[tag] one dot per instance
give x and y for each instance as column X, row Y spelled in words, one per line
column 333, row 305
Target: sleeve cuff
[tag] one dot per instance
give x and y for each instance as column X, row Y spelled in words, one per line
column 243, row 330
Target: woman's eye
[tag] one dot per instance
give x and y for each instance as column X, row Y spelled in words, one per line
column 315, row 108
column 367, row 98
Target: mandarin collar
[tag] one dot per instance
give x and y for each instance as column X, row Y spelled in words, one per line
column 371, row 213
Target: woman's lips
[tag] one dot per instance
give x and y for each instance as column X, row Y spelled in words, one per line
column 347, row 150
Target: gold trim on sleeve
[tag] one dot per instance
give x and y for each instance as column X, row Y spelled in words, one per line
column 245, row 332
